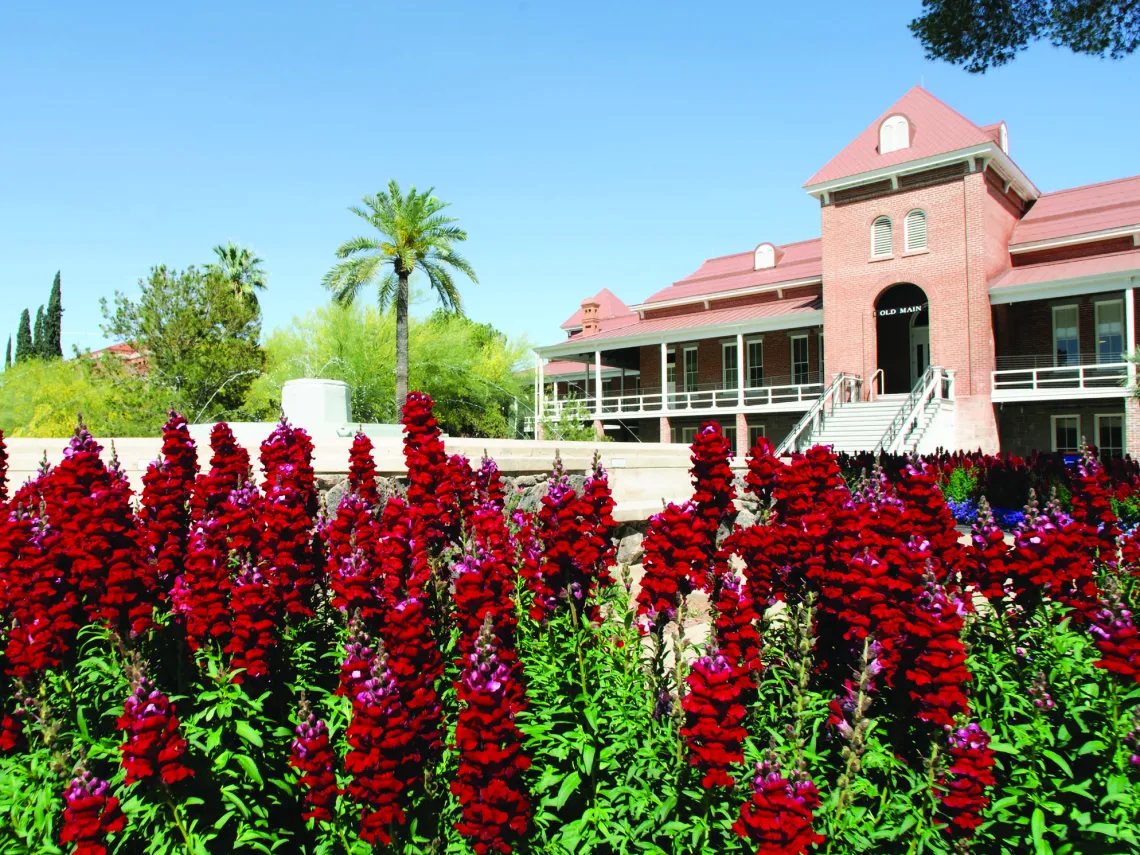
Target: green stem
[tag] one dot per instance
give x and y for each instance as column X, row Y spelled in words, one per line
column 187, row 845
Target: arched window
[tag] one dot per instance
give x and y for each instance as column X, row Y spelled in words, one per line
column 916, row 230
column 765, row 256
column 894, row 134
column 881, row 243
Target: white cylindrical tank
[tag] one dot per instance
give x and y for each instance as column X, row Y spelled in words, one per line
column 316, row 405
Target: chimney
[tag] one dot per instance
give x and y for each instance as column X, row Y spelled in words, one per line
column 590, row 322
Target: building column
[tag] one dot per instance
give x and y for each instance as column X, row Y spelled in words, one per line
column 539, row 391
column 598, row 384
column 1131, row 404
column 666, row 430
column 741, row 438
column 740, row 369
column 664, row 377
column 1130, row 329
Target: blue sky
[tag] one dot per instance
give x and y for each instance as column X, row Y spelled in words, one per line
column 583, row 145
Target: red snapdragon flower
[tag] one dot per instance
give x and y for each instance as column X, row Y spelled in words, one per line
column 488, row 783
column 287, row 460
column 483, row 581
column 962, row 789
column 400, row 553
column 415, row 660
column 253, row 624
column 926, row 515
column 313, row 757
column 1116, row 636
column 983, row 564
column 382, row 758
column 154, row 747
column 229, row 467
column 764, row 470
column 432, row 489
column 735, row 624
column 777, row 818
column 489, row 488
column 1092, row 507
column 90, row 813
column 713, row 487
column 287, row 543
column 3, row 469
column 200, row 595
column 714, row 717
column 362, row 469
column 675, row 564
column 935, row 657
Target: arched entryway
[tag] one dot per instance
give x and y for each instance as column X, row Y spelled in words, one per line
column 902, row 323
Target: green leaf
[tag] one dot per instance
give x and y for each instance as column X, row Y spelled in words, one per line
column 250, row 768
column 569, row 785
column 1059, row 760
column 246, row 732
column 1037, row 829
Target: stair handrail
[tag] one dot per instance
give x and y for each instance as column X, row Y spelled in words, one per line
column 841, row 380
column 931, row 381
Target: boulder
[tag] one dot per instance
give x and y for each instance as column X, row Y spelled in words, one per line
column 629, row 549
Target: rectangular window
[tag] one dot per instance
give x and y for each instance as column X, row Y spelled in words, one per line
column 690, row 369
column 799, row 359
column 685, row 434
column 671, row 372
column 728, row 364
column 729, row 432
column 1109, row 331
column 1067, row 434
column 755, row 363
column 1066, row 337
column 754, row 433
column 1110, row 435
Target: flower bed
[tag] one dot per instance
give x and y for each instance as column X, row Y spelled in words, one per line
column 223, row 667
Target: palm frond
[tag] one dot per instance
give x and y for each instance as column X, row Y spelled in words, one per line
column 357, row 245
column 346, row 279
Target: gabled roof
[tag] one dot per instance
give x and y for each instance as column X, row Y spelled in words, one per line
column 1081, row 210
column 935, row 129
column 795, row 261
column 1068, row 270
column 609, row 306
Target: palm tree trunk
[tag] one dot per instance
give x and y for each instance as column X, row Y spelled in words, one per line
column 401, row 343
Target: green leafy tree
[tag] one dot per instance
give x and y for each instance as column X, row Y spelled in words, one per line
column 53, row 323
column 982, row 34
column 39, row 343
column 467, row 367
column 8, row 355
column 414, row 235
column 201, row 341
column 24, row 337
column 241, row 268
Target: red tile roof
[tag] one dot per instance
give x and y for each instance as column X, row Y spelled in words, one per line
column 803, row 260
column 1076, row 268
column 935, row 129
column 776, row 308
column 558, row 368
column 609, row 306
column 1092, row 208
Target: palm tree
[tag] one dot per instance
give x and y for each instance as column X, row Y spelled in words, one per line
column 241, row 268
column 414, row 235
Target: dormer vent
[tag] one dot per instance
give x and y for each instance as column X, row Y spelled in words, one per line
column 894, row 134
column 767, row 256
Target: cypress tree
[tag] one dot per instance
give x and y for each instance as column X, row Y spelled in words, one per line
column 24, row 337
column 8, row 355
column 53, row 322
column 39, row 340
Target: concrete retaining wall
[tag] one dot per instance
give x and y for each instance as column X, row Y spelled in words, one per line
column 641, row 474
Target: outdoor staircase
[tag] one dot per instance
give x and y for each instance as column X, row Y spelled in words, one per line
column 920, row 422
column 859, row 425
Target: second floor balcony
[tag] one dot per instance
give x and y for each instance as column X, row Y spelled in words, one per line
column 1045, row 377
column 776, row 394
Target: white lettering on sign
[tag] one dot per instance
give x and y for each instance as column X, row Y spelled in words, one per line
column 905, row 310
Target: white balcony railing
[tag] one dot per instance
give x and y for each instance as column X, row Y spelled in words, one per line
column 789, row 397
column 1061, row 382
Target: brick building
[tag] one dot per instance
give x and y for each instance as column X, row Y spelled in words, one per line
column 963, row 308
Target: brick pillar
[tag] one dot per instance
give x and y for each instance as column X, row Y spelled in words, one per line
column 741, row 437
column 1132, row 426
column 666, row 431
column 599, row 428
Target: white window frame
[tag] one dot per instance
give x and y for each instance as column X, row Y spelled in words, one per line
column 890, row 235
column 1096, row 326
column 807, row 358
column 729, row 432
column 687, row 434
column 727, row 364
column 685, row 367
column 1053, row 420
column 910, row 247
column 1076, row 307
column 754, row 433
column 1123, row 437
column 748, row 363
